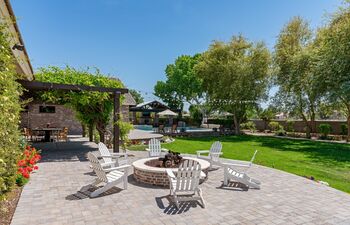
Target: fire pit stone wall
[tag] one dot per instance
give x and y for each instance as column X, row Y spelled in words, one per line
column 158, row 176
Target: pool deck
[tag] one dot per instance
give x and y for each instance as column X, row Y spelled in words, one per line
column 54, row 196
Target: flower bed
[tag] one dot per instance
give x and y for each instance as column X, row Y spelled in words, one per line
column 27, row 164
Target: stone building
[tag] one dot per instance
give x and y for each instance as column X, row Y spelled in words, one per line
column 39, row 114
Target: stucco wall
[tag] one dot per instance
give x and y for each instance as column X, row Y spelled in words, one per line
column 299, row 126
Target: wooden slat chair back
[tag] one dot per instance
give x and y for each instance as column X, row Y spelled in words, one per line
column 215, row 151
column 105, row 152
column 96, row 166
column 154, row 148
column 186, row 182
column 188, row 176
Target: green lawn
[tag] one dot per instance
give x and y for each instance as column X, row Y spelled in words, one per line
column 329, row 162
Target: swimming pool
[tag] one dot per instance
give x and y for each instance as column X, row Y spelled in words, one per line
column 150, row 128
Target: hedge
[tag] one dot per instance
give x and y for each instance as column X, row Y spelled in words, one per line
column 10, row 108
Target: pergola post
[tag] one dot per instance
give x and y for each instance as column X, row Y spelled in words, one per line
column 116, row 96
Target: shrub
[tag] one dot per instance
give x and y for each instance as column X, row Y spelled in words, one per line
column 289, row 126
column 250, row 125
column 280, row 132
column 324, row 129
column 10, row 108
column 274, row 126
column 344, row 129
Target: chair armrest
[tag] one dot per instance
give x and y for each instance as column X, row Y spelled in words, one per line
column 117, row 168
column 170, row 173
column 164, row 149
column 119, row 154
column 201, row 152
column 216, row 153
column 107, row 164
column 108, row 156
column 147, row 149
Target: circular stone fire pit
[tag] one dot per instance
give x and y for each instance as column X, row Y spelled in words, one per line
column 156, row 175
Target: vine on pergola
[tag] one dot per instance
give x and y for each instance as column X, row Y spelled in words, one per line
column 93, row 109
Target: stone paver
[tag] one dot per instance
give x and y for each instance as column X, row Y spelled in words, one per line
column 52, row 197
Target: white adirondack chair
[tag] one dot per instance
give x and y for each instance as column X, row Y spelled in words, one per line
column 186, row 182
column 111, row 159
column 154, row 148
column 241, row 177
column 243, row 166
column 110, row 177
column 231, row 172
column 213, row 154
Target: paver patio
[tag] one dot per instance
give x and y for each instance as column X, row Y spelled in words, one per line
column 52, row 197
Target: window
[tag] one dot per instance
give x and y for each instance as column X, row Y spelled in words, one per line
column 47, row 109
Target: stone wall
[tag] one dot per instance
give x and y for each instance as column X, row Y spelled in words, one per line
column 63, row 117
column 299, row 126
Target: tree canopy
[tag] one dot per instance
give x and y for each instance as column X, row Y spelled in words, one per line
column 182, row 84
column 294, row 61
column 334, row 59
column 235, row 75
column 137, row 96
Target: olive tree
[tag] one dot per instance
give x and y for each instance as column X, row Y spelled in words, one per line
column 295, row 72
column 235, row 75
column 334, row 59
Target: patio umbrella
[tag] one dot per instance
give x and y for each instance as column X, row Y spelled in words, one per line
column 167, row 112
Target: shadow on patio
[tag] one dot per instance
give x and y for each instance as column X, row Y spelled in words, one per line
column 74, row 150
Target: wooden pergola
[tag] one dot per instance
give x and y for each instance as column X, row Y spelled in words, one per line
column 115, row 92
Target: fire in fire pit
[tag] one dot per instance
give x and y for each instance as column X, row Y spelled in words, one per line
column 171, row 159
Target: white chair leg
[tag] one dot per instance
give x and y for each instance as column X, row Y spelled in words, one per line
column 225, row 177
column 125, row 181
column 176, row 200
column 201, row 197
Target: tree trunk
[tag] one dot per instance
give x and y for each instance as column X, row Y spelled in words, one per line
column 83, row 127
column 102, row 136
column 101, row 128
column 91, row 132
column 312, row 120
column 348, row 121
column 237, row 125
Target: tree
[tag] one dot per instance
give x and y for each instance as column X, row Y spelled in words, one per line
column 92, row 108
column 137, row 96
column 266, row 115
column 295, row 76
column 181, row 85
column 333, row 59
column 235, row 75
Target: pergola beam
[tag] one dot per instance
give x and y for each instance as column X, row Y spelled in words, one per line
column 116, row 92
column 45, row 86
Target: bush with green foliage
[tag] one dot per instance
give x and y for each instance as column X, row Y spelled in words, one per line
column 289, row 126
column 250, row 125
column 10, row 108
column 274, row 126
column 325, row 129
column 124, row 129
column 344, row 129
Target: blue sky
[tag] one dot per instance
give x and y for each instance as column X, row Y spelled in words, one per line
column 135, row 39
